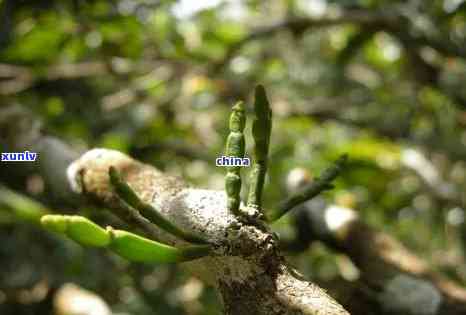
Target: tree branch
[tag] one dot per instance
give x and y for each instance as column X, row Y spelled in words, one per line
column 247, row 268
column 299, row 25
column 388, row 20
column 311, row 190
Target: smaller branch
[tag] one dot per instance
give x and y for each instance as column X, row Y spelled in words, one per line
column 235, row 147
column 134, row 219
column 15, row 79
column 261, row 130
column 311, row 190
column 443, row 190
column 299, row 25
column 129, row 196
column 20, row 78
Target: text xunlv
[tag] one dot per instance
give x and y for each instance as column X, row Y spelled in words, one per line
column 25, row 156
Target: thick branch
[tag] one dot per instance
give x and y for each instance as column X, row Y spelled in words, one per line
column 247, row 269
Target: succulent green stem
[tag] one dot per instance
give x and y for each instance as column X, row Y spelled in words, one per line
column 126, row 244
column 311, row 190
column 235, row 147
column 261, row 129
column 22, row 207
column 128, row 195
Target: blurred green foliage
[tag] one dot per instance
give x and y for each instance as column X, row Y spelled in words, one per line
column 157, row 79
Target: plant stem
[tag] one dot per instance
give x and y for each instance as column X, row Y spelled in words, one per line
column 261, row 130
column 128, row 195
column 235, row 147
column 311, row 190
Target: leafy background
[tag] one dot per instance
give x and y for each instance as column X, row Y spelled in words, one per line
column 156, row 79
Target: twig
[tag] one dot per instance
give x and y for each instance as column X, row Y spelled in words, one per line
column 146, row 210
column 311, row 190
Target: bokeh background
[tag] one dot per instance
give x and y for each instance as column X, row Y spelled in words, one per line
column 383, row 81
